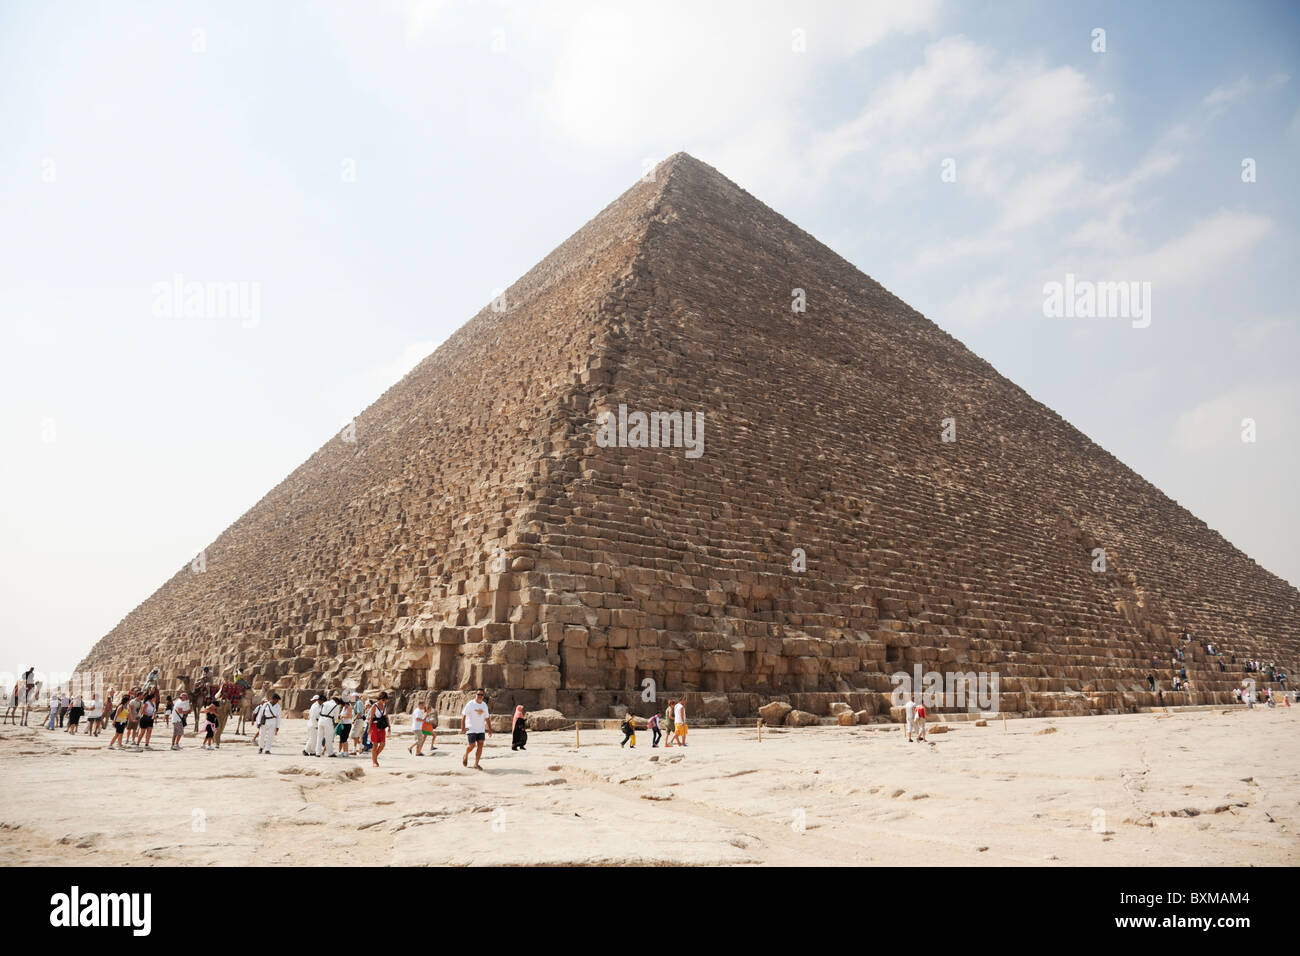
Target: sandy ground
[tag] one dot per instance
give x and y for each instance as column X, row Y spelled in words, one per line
column 1197, row 788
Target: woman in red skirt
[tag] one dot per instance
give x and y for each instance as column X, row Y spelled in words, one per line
column 378, row 718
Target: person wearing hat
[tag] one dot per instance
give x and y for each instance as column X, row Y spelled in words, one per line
column 329, row 712
column 179, row 710
column 313, row 719
column 267, row 721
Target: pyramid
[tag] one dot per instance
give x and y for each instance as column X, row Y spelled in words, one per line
column 863, row 496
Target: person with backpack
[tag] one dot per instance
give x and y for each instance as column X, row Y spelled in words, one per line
column 267, row 721
column 120, row 715
column 378, row 722
column 629, row 729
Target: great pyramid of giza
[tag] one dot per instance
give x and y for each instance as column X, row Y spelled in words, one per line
column 482, row 530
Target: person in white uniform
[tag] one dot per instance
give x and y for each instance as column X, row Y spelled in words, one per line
column 267, row 721
column 309, row 749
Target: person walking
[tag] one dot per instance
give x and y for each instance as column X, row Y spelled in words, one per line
column 267, row 721
column 417, row 731
column 679, row 723
column 313, row 718
column 920, row 721
column 652, row 725
column 120, row 716
column 668, row 725
column 474, row 718
column 519, row 729
column 909, row 716
column 361, row 715
column 211, row 717
column 629, row 730
column 378, row 727
column 64, row 703
column 52, row 720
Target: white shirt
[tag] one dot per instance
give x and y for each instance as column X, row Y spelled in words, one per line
column 270, row 712
column 679, row 713
column 475, row 714
column 910, row 710
column 179, row 709
column 417, row 717
column 313, row 715
column 329, row 710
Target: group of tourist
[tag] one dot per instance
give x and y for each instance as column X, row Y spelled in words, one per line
column 670, row 724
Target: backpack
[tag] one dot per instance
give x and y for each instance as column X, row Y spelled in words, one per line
column 380, row 719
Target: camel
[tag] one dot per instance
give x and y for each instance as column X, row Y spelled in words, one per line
column 223, row 714
column 244, row 711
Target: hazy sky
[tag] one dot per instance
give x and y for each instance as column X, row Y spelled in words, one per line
column 372, row 172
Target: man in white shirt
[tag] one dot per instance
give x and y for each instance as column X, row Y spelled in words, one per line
column 417, row 729
column 909, row 713
column 179, row 709
column 474, row 718
column 309, row 749
column 267, row 721
column 329, row 710
column 679, row 723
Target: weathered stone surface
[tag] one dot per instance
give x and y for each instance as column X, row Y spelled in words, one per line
column 846, row 719
column 774, row 713
column 800, row 718
column 547, row 720
column 473, row 531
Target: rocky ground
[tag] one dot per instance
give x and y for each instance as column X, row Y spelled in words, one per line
column 1205, row 788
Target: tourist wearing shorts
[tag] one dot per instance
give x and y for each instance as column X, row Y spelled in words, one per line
column 345, row 727
column 679, row 723
column 147, row 712
column 668, row 724
column 474, row 717
column 179, row 710
column 120, row 716
column 417, row 731
column 378, row 724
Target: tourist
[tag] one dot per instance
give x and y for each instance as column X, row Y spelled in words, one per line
column 120, row 716
column 1151, row 682
column 64, row 703
column 136, row 707
column 147, row 711
column 474, row 717
column 53, row 719
column 94, row 716
column 76, row 708
column 519, row 729
column 267, row 721
column 427, row 728
column 629, row 729
column 378, row 721
column 679, row 723
column 417, row 731
column 652, row 725
column 329, row 709
column 180, row 709
column 309, row 749
column 210, row 719
column 344, row 729
column 668, row 725
column 920, row 721
column 1187, row 686
column 360, row 714
column 909, row 717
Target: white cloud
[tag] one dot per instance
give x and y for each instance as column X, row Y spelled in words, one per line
column 1219, row 97
column 1207, row 247
column 1216, row 425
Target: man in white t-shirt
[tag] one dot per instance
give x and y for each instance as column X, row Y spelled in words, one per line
column 909, row 713
column 474, row 718
column 180, row 708
column 417, row 729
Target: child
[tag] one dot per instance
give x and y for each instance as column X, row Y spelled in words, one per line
column 210, row 726
column 652, row 725
column 629, row 730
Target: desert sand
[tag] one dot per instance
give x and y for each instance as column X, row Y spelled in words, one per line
column 1217, row 787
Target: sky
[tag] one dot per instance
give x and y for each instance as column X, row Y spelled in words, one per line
column 367, row 176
